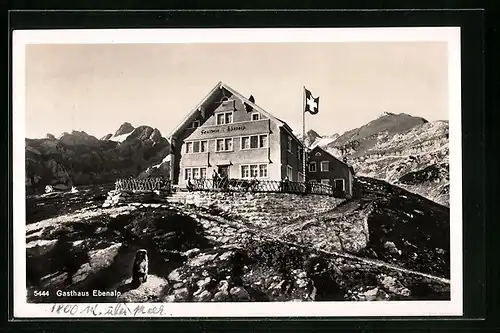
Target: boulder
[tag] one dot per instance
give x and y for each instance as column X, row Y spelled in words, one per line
column 392, row 285
column 222, row 294
column 204, row 296
column 239, row 294
column 201, row 259
column 192, row 252
column 175, row 275
column 105, row 257
column 181, row 294
column 60, row 187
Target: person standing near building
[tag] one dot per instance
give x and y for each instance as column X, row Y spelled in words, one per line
column 225, row 182
column 215, row 179
column 190, row 186
column 285, row 184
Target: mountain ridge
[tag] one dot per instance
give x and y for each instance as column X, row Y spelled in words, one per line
column 78, row 158
column 403, row 150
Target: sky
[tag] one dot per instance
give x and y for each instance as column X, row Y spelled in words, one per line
column 96, row 87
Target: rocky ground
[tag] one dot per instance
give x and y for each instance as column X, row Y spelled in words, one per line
column 203, row 253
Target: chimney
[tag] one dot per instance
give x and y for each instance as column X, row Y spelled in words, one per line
column 248, row 107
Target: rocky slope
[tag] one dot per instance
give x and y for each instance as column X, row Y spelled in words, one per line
column 199, row 252
column 406, row 151
column 78, row 158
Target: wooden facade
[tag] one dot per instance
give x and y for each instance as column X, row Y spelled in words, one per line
column 325, row 168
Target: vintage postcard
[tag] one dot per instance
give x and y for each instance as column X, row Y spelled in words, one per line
column 275, row 172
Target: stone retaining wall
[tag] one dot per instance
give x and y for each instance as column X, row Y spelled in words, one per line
column 261, row 208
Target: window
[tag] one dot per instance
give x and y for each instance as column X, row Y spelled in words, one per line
column 289, row 172
column 245, row 171
column 220, row 145
column 312, row 167
column 196, row 173
column 254, row 171
column 189, row 147
column 263, row 171
column 300, row 176
column 203, row 173
column 300, row 153
column 255, row 116
column 224, row 144
column 195, row 124
column 325, row 181
column 220, row 119
column 339, row 183
column 204, row 146
column 228, row 144
column 196, row 147
column 289, row 144
column 254, row 141
column 187, row 173
column 229, row 118
column 263, row 141
column 324, row 166
column 245, row 142
column 224, row 118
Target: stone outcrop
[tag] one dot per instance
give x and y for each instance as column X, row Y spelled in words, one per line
column 154, row 199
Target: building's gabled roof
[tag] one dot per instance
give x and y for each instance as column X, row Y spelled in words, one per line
column 222, row 85
column 325, row 152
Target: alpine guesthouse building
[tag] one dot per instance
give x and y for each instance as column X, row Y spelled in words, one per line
column 232, row 135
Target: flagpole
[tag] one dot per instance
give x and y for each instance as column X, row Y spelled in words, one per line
column 304, row 132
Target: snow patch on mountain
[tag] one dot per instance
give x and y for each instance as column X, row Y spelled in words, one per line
column 167, row 159
column 324, row 141
column 120, row 138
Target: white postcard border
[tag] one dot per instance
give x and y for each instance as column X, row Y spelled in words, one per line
column 451, row 35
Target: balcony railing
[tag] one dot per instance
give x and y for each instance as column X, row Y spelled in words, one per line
column 257, row 185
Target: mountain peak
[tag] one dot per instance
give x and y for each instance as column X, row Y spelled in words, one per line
column 312, row 133
column 107, row 137
column 125, row 128
column 78, row 138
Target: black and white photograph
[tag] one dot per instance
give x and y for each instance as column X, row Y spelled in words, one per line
column 237, row 172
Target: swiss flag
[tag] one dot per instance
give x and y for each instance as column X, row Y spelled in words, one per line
column 311, row 104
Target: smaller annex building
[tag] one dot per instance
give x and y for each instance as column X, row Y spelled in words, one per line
column 230, row 134
column 325, row 168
